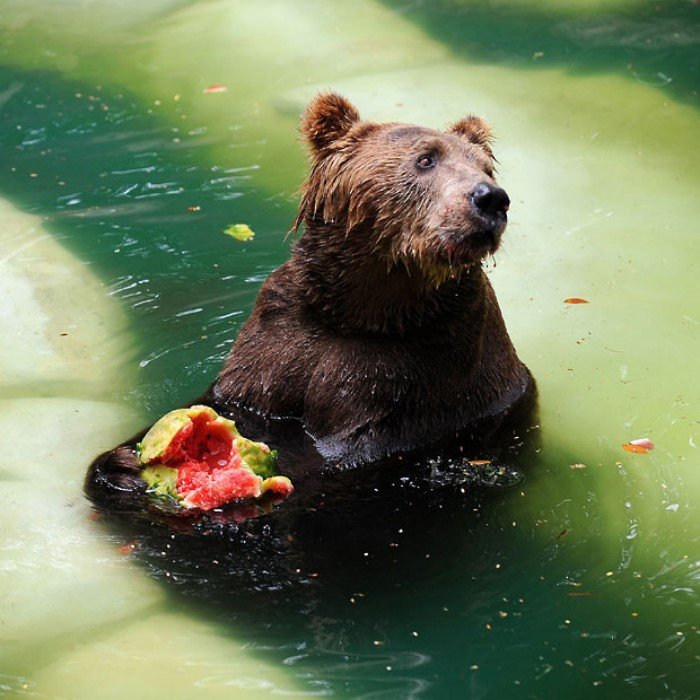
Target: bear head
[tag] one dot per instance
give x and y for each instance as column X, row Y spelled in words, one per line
column 410, row 194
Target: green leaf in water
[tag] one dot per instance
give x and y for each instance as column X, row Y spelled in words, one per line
column 241, row 232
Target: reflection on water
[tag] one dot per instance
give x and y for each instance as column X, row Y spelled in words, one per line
column 583, row 578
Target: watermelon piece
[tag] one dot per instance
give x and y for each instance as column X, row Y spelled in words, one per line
column 199, row 459
column 279, row 485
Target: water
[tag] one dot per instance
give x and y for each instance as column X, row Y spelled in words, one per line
column 118, row 174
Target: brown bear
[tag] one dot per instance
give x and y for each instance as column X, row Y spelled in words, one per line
column 382, row 333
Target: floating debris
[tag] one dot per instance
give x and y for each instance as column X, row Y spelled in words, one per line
column 241, row 232
column 640, row 446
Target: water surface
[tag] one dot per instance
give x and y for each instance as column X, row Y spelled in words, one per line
column 582, row 579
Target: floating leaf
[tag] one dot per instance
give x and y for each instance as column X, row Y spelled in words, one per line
column 214, row 88
column 640, row 446
column 241, row 232
column 643, row 442
column 575, row 300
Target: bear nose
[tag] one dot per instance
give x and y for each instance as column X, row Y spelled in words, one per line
column 489, row 200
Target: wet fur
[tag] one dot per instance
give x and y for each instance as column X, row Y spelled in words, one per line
column 373, row 334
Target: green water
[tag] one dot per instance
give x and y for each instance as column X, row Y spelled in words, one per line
column 581, row 581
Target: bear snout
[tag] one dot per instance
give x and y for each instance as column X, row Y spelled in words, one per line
column 489, row 201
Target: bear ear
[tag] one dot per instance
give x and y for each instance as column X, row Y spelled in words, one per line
column 328, row 117
column 474, row 130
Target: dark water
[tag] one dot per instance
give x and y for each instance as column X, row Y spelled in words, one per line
column 581, row 578
column 119, row 191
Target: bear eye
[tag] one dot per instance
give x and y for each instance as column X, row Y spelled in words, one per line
column 426, row 161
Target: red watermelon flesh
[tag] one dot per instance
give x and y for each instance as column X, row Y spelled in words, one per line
column 210, row 472
column 209, row 489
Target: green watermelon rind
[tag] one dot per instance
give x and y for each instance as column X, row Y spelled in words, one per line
column 271, row 483
column 161, row 483
column 257, row 456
